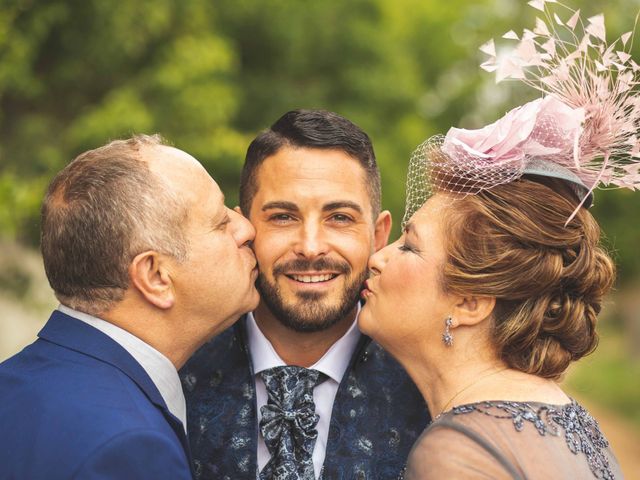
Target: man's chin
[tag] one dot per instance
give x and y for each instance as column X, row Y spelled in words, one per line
column 308, row 310
column 302, row 326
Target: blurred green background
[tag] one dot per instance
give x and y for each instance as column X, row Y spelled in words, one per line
column 210, row 74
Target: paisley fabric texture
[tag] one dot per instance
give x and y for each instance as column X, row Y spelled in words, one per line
column 289, row 421
column 377, row 415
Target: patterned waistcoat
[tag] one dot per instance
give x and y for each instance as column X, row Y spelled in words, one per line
column 377, row 415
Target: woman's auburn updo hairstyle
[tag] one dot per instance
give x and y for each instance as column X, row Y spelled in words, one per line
column 549, row 280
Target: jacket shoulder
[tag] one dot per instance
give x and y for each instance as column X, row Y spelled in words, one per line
column 65, row 404
column 138, row 453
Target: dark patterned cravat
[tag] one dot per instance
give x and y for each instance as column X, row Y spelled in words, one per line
column 289, row 421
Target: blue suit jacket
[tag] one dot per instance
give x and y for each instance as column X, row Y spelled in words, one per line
column 75, row 404
column 377, row 415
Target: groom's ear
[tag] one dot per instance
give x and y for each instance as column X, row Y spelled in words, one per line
column 473, row 310
column 382, row 230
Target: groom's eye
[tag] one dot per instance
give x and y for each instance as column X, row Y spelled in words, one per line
column 341, row 218
column 281, row 218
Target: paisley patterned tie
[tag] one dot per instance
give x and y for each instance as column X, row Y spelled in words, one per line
column 289, row 421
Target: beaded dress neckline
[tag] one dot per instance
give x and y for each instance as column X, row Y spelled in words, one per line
column 580, row 430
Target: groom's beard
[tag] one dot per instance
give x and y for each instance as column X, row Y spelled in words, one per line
column 312, row 311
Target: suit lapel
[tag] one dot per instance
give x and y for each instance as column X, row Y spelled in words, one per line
column 76, row 335
column 374, row 387
column 221, row 407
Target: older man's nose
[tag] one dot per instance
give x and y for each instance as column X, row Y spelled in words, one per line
column 243, row 232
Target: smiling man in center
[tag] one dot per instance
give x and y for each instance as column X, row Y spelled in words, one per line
column 294, row 391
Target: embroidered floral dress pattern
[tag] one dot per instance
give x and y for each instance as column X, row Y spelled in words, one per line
column 580, row 430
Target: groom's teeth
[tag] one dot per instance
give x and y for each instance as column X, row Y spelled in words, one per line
column 312, row 278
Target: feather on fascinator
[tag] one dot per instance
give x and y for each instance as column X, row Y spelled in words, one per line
column 583, row 130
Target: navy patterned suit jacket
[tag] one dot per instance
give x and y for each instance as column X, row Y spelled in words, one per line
column 377, row 415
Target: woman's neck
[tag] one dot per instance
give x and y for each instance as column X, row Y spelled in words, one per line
column 446, row 382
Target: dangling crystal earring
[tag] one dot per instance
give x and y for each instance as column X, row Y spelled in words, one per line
column 447, row 338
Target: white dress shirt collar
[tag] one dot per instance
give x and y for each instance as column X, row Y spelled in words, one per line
column 333, row 363
column 159, row 368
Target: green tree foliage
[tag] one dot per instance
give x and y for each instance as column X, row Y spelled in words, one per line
column 209, row 75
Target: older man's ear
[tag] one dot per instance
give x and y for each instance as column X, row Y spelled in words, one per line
column 149, row 273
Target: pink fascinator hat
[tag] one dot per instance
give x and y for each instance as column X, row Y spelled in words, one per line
column 583, row 130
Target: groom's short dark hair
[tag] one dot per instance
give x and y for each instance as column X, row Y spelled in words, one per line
column 310, row 129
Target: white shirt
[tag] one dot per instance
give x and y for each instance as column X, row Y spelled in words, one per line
column 333, row 364
column 159, row 368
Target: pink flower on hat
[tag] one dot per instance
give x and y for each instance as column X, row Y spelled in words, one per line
column 545, row 127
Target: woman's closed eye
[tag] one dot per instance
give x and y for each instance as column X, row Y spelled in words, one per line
column 406, row 247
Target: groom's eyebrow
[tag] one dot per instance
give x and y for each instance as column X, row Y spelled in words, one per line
column 342, row 204
column 280, row 205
